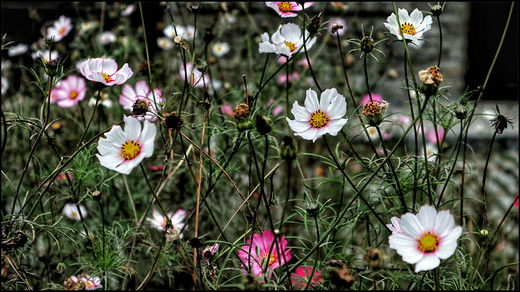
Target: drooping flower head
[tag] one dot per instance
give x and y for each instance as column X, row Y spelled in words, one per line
column 300, row 277
column 318, row 118
column 287, row 40
column 197, row 79
column 413, row 25
column 105, row 71
column 123, row 150
column 153, row 99
column 59, row 29
column 285, row 8
column 71, row 210
column 425, row 238
column 159, row 221
column 70, row 91
column 266, row 254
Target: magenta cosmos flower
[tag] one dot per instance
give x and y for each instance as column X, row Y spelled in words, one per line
column 426, row 238
column 318, row 118
column 375, row 97
column 266, row 255
column 105, row 71
column 300, row 278
column 123, row 150
column 69, row 92
column 153, row 98
column 285, row 9
column 59, row 29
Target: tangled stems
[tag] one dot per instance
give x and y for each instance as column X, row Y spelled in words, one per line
column 344, row 211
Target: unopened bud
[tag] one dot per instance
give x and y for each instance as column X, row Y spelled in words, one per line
column 314, row 26
column 367, row 44
column 263, row 124
column 288, row 149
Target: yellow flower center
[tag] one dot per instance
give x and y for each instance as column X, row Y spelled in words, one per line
column 291, row 46
column 164, row 222
column 61, row 31
column 73, row 214
column 428, row 242
column 271, row 260
column 107, row 77
column 408, row 28
column 284, row 6
column 130, row 149
column 88, row 284
column 73, row 94
column 319, row 119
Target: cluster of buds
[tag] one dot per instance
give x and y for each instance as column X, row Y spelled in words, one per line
column 431, row 78
column 243, row 119
column 373, row 111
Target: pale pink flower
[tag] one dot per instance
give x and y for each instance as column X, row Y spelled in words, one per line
column 340, row 21
column 227, row 110
column 107, row 37
column 59, row 29
column 286, row 41
column 71, row 210
column 292, row 78
column 195, row 76
column 426, row 238
column 285, row 9
column 128, row 10
column 209, row 252
column 17, row 50
column 266, row 254
column 300, row 277
column 154, row 99
column 69, row 91
column 432, row 137
column 105, row 71
column 277, row 110
column 159, row 221
column 395, row 227
column 91, row 283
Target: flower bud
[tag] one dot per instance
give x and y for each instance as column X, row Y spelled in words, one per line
column 314, row 26
column 312, row 209
column 51, row 68
column 288, row 149
column 436, row 9
column 461, row 112
column 373, row 111
column 367, row 44
column 263, row 124
column 96, row 195
column 208, row 34
column 484, row 233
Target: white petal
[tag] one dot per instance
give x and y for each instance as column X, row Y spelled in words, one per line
column 326, row 98
column 291, row 32
column 149, row 132
column 335, row 126
column 428, row 262
column 116, row 136
column 311, row 101
column 405, row 247
column 110, row 161
column 403, row 16
column 141, row 89
column 132, row 128
column 310, row 134
column 427, row 215
column 106, row 148
column 448, row 244
column 444, row 223
column 266, row 47
column 298, row 126
column 411, row 225
column 300, row 113
column 416, row 17
column 109, row 66
column 338, row 107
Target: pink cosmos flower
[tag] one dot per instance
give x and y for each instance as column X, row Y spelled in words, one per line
column 59, row 29
column 227, row 110
column 128, row 10
column 284, row 9
column 266, row 255
column 277, row 110
column 516, row 202
column 105, row 71
column 69, row 92
column 154, row 99
column 159, row 221
column 194, row 75
column 300, row 278
column 209, row 252
column 375, row 97
column 432, row 138
column 395, row 227
column 91, row 283
column 292, row 77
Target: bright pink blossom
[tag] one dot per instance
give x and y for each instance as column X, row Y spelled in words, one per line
column 227, row 110
column 300, row 278
column 375, row 97
column 262, row 254
column 69, row 92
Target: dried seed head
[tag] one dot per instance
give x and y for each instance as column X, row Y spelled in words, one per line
column 500, row 122
column 172, row 121
column 314, row 26
column 431, row 76
column 339, row 275
column 241, row 110
column 140, row 107
column 335, row 28
column 374, row 258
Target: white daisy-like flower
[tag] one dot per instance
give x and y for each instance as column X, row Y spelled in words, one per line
column 45, row 55
column 60, row 28
column 105, row 71
column 413, row 25
column 426, row 238
column 287, row 40
column 318, row 118
column 17, row 50
column 107, row 37
column 219, row 49
column 123, row 150
column 159, row 221
column 71, row 210
column 91, row 283
column 164, row 43
column 186, row 33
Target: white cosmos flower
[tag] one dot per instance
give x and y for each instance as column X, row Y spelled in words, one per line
column 17, row 50
column 318, row 118
column 413, row 25
column 425, row 238
column 71, row 210
column 105, row 71
column 159, row 221
column 186, row 33
column 123, row 150
column 59, row 29
column 164, row 43
column 220, row 49
column 285, row 41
